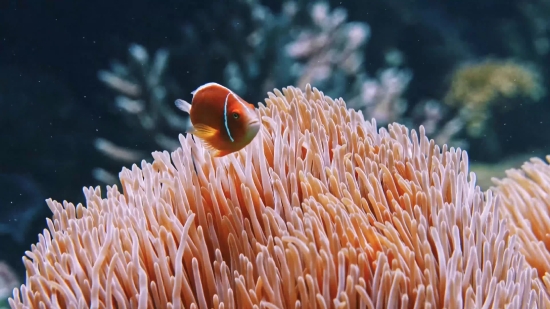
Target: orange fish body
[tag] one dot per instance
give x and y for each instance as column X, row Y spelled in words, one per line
column 221, row 119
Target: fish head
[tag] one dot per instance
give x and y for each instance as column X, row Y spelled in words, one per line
column 244, row 123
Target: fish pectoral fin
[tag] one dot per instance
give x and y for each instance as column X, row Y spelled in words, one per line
column 211, row 149
column 183, row 105
column 202, row 131
column 205, row 133
column 216, row 153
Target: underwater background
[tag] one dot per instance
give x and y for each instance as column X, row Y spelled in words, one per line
column 88, row 87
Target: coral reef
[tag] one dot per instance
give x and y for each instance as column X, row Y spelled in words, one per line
column 360, row 218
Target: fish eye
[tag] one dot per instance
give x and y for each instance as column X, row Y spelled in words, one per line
column 236, row 115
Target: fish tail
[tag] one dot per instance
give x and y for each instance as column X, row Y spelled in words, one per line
column 183, row 105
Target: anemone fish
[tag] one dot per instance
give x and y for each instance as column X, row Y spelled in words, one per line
column 221, row 119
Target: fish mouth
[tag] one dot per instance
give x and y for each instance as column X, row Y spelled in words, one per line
column 254, row 127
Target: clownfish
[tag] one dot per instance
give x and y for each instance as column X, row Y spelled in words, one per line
column 221, row 119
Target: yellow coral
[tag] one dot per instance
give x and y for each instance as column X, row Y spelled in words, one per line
column 476, row 87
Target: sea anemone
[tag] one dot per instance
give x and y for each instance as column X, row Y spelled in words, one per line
column 525, row 195
column 321, row 210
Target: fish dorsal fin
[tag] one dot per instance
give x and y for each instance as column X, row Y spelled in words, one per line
column 202, row 131
column 183, row 105
column 206, row 86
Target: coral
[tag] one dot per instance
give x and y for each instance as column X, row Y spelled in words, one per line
column 8, row 280
column 476, row 87
column 322, row 209
column 316, row 44
column 307, row 42
column 142, row 97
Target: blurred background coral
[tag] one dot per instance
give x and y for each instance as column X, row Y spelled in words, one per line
column 88, row 87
